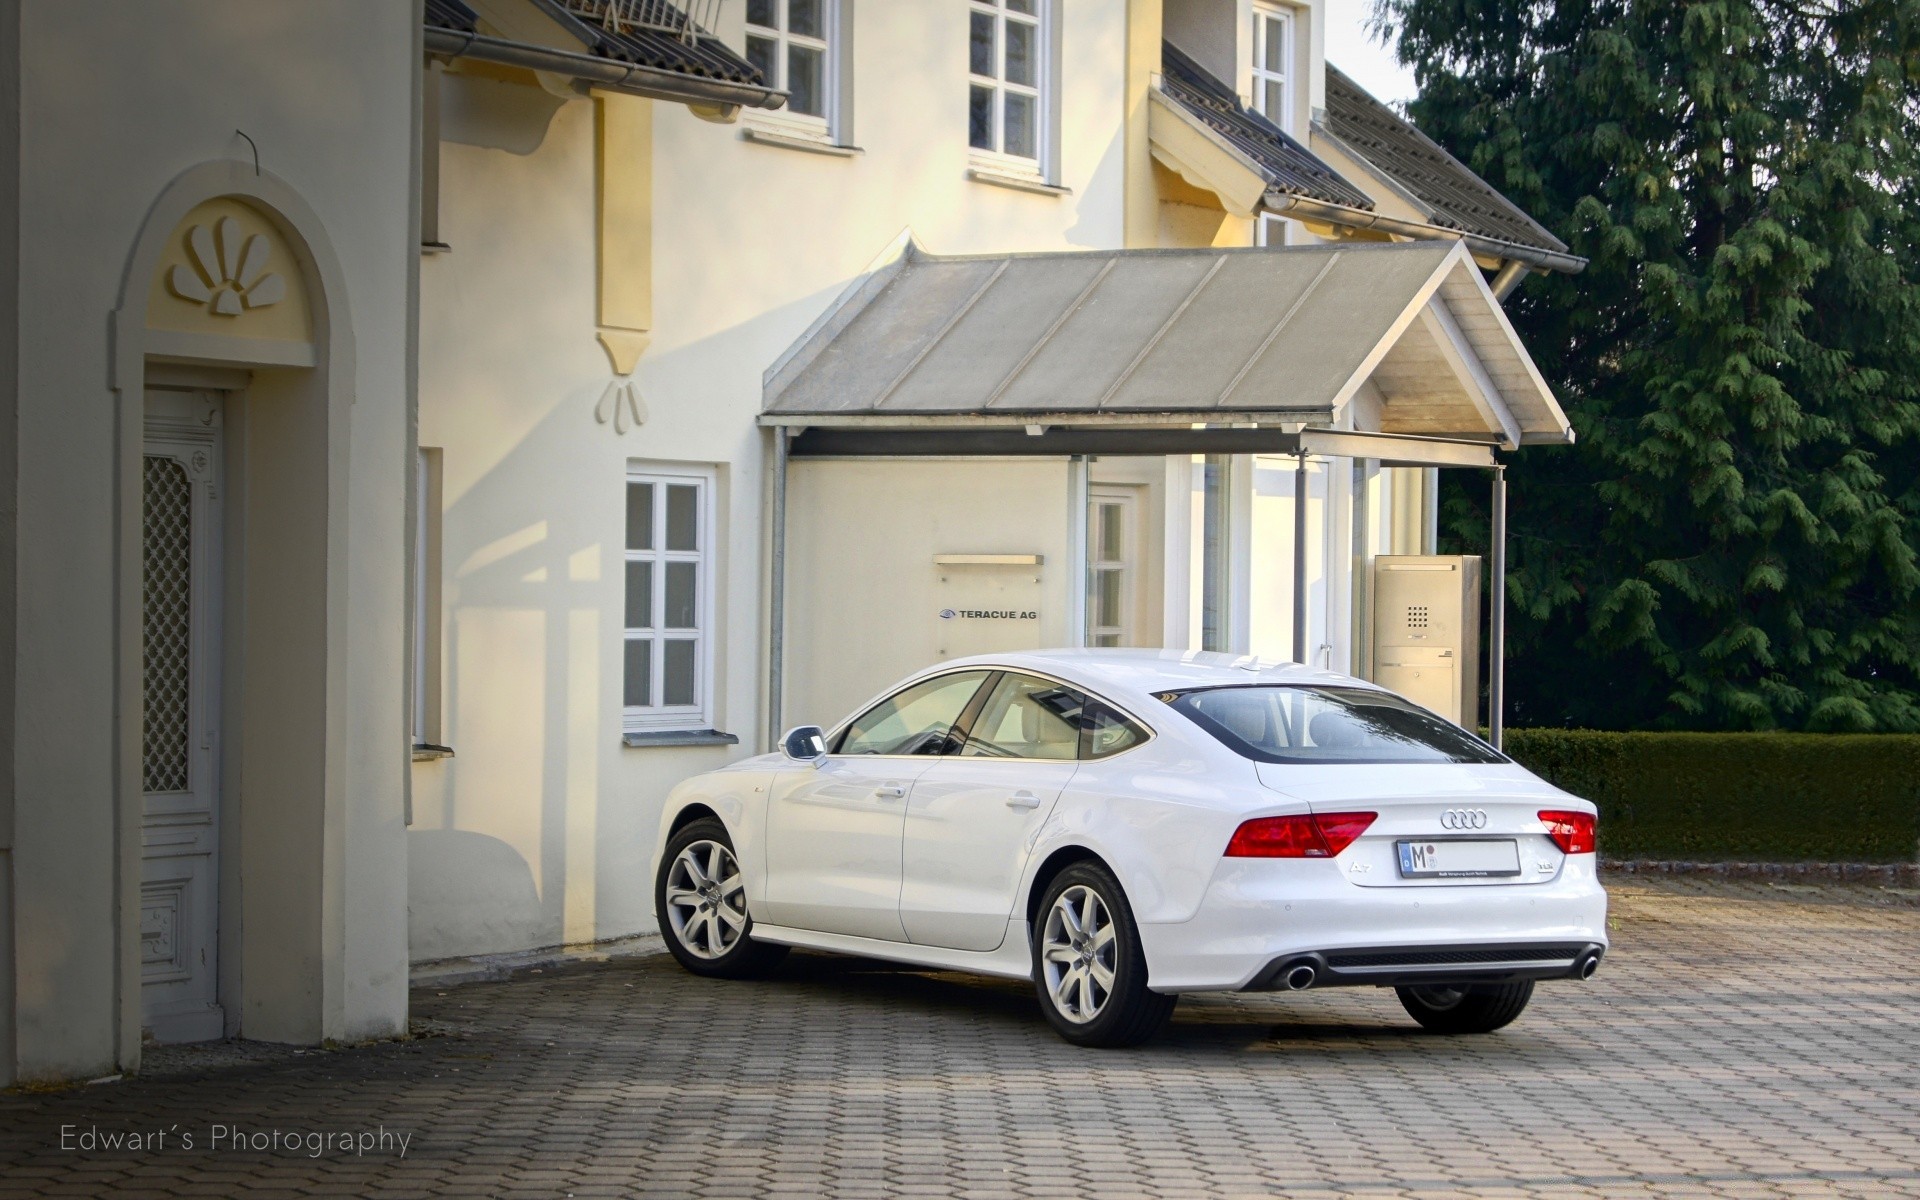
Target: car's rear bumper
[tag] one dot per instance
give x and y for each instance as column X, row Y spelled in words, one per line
column 1261, row 913
column 1397, row 966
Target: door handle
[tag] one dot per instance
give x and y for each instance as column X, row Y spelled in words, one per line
column 891, row 791
column 1023, row 799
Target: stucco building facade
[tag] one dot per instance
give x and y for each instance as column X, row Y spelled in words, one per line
column 417, row 464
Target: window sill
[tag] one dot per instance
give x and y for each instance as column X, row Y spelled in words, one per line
column 640, row 739
column 428, row 752
column 434, row 248
column 792, row 141
column 1018, row 182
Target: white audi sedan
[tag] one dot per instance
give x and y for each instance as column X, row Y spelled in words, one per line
column 1122, row 826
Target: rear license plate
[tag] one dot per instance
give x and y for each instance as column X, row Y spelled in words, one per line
column 1459, row 860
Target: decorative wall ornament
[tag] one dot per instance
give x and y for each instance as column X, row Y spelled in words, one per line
column 621, row 404
column 227, row 271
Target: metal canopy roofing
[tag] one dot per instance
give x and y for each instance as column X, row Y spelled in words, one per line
column 1389, row 338
column 1453, row 195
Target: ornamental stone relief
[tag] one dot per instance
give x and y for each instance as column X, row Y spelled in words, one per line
column 227, row 270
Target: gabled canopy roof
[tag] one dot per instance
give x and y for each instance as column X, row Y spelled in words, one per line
column 1402, row 339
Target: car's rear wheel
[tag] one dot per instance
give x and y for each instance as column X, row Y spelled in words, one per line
column 1466, row 1008
column 702, row 901
column 1088, row 967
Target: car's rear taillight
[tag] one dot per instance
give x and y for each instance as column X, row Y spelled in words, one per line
column 1571, row 831
column 1303, row 835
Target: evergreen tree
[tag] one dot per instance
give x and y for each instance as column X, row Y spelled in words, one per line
column 1735, row 541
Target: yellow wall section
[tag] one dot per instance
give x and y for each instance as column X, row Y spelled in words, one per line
column 624, row 162
column 1142, row 201
column 286, row 319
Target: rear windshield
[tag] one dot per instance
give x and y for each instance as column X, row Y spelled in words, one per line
column 1288, row 724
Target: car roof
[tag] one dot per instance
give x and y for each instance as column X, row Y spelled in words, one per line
column 1141, row 671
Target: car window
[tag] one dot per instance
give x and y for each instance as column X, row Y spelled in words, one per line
column 1105, row 732
column 1026, row 717
column 1270, row 723
column 916, row 720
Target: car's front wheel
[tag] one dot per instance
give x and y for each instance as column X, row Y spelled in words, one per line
column 702, row 901
column 1088, row 967
column 1466, row 1008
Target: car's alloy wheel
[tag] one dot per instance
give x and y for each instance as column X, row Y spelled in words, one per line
column 1088, row 967
column 1078, row 949
column 706, row 899
column 701, row 898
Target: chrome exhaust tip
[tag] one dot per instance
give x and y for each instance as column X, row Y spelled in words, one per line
column 1588, row 966
column 1299, row 977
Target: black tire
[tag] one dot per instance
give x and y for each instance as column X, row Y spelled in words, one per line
column 690, row 932
column 1129, row 1013
column 1467, row 1008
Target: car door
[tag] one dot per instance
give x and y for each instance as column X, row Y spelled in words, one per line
column 833, row 831
column 972, row 814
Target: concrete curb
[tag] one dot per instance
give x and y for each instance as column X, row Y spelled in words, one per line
column 478, row 968
column 1884, row 874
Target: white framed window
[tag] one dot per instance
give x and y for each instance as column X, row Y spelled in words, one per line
column 1009, row 51
column 1272, row 231
column 796, row 44
column 1110, row 573
column 667, row 648
column 1273, row 64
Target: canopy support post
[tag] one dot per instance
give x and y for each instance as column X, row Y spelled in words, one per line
column 1300, row 559
column 1497, row 635
column 777, row 590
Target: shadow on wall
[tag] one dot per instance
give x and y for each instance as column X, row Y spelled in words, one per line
column 541, row 830
column 481, row 878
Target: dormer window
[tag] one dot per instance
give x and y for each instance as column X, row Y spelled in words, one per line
column 1273, row 64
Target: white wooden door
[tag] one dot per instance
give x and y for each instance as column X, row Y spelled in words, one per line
column 180, row 758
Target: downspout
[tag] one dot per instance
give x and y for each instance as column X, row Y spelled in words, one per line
column 777, row 590
column 1497, row 634
column 1300, row 559
column 1508, row 278
column 601, row 72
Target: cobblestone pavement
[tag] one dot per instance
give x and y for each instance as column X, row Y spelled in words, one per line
column 1743, row 1040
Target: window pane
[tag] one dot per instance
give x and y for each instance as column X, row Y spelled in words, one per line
column 1106, row 639
column 639, row 595
column 639, row 690
column 683, row 517
column 1021, row 6
column 1020, row 139
column 639, row 516
column 806, row 81
column 681, row 597
column 1327, row 725
column 982, row 46
column 1027, row 718
column 676, row 683
column 1021, row 67
column 1109, row 532
column 1108, row 732
column 915, row 721
column 980, row 119
column 803, row 18
column 1273, row 102
column 760, row 12
column 1273, row 37
column 1106, row 609
column 761, row 52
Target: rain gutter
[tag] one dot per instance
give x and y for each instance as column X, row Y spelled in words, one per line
column 1359, row 218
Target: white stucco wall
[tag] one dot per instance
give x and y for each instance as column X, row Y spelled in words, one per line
column 117, row 99
column 540, row 829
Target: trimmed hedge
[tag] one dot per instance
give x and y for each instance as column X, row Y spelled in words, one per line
column 1766, row 797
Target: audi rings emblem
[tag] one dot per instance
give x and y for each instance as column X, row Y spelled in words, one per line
column 1463, row 818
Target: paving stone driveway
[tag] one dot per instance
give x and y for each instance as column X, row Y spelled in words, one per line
column 1743, row 1040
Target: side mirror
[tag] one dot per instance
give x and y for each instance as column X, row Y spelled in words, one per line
column 805, row 743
